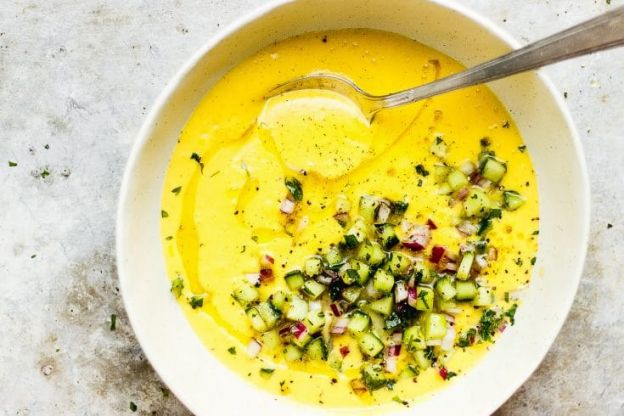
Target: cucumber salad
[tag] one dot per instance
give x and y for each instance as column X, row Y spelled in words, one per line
column 387, row 285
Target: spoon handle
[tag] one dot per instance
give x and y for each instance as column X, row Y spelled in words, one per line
column 602, row 32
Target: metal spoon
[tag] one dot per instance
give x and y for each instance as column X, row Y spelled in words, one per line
column 602, row 32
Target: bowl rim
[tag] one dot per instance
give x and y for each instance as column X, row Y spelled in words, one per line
column 143, row 137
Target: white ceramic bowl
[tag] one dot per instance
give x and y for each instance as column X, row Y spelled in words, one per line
column 202, row 383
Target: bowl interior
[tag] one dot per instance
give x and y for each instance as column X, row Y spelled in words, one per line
column 193, row 374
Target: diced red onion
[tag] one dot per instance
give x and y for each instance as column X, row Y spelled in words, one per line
column 434, row 342
column 253, row 348
column 467, row 167
column 340, row 326
column 461, row 194
column 315, row 305
column 481, row 261
column 412, row 296
column 253, row 278
column 287, row 206
column 383, row 213
column 371, row 291
column 344, row 351
column 450, row 266
column 475, row 177
column 484, row 183
column 299, row 329
column 400, row 291
column 335, row 309
column 390, row 364
column 418, row 238
column 324, row 279
column 492, row 253
column 266, row 275
column 394, row 350
column 502, row 328
column 467, row 228
column 443, row 373
column 432, row 225
column 266, row 261
column 285, row 331
column 436, row 254
column 449, row 339
column 406, row 226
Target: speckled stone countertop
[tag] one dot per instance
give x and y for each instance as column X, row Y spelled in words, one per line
column 76, row 80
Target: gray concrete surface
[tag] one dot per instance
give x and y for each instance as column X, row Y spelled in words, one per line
column 76, row 80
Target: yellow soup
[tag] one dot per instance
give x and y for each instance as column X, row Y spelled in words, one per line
column 284, row 179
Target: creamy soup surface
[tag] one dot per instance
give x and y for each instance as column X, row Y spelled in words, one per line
column 260, row 198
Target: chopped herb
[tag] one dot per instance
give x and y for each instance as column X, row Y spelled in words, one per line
column 176, row 286
column 450, row 375
column 609, row 226
column 536, row 232
column 439, row 140
column 33, row 256
column 243, row 249
column 422, row 295
column 400, row 401
column 266, row 372
column 485, row 141
column 164, row 214
column 215, row 173
column 176, row 190
column 420, row 182
column 294, row 187
column 608, row 2
column 511, row 313
column 232, row 350
column 12, row 164
column 45, row 173
column 522, row 148
column 133, row 407
column 488, row 324
column 518, row 261
column 507, row 297
column 506, row 124
column 169, row 238
column 533, row 260
column 420, row 169
column 113, row 322
column 197, row 158
column 486, row 221
column 467, row 339
column 565, row 93
column 196, row 302
column 429, row 354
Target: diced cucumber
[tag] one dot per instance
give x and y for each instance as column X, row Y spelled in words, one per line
column 270, row 340
column 362, row 269
column 492, row 168
column 297, row 309
column 279, row 300
column 316, row 350
column 420, row 356
column 334, row 359
column 314, row 321
column 351, row 294
column 266, row 373
column 369, row 344
column 393, row 322
column 414, row 339
column 435, row 326
column 421, row 274
column 445, row 288
column 359, row 322
column 466, row 290
column 356, row 234
column 245, row 294
column 383, row 306
column 512, row 200
column 398, row 263
column 425, row 298
column 256, row 320
column 294, row 279
column 313, row 266
column 445, row 189
column 457, row 180
column 302, row 340
column 465, row 266
column 439, row 147
column 373, row 377
column 348, row 275
column 313, row 289
column 270, row 315
column 476, row 203
column 372, row 253
column 383, row 281
column 368, row 208
column 387, row 235
column 447, row 305
column 484, row 297
column 334, row 258
column 292, row 353
column 398, row 211
column 410, row 371
column 440, row 173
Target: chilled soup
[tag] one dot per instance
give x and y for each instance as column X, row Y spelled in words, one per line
column 340, row 263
